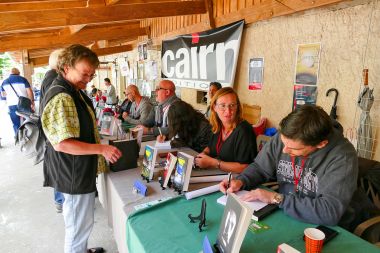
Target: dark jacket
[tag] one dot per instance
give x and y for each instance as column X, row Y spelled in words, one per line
column 72, row 174
column 48, row 80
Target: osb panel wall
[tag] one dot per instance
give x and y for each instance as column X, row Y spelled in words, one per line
column 343, row 34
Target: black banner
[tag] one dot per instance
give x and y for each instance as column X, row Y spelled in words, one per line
column 195, row 60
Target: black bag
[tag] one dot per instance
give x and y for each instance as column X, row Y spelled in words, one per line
column 24, row 104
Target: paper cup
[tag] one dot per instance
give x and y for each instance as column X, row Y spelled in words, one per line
column 314, row 240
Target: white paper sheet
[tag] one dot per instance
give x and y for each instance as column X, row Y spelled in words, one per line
column 206, row 179
column 254, row 205
column 201, row 192
column 163, row 145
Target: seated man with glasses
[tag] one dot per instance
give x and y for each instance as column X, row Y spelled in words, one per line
column 158, row 119
column 233, row 143
column 140, row 108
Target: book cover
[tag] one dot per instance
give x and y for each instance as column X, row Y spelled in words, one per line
column 171, row 161
column 130, row 154
column 183, row 171
column 148, row 163
column 234, row 225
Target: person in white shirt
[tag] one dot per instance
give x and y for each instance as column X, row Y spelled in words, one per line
column 111, row 92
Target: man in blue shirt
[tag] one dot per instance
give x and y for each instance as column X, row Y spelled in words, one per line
column 13, row 87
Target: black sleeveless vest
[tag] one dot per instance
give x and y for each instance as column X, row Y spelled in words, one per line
column 72, row 174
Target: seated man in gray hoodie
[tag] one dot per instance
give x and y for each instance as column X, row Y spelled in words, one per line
column 315, row 166
column 158, row 119
column 140, row 108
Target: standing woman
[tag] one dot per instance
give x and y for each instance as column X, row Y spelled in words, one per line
column 73, row 154
column 233, row 143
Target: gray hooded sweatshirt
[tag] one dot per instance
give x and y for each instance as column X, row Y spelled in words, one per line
column 327, row 181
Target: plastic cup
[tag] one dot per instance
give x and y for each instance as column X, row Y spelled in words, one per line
column 314, row 240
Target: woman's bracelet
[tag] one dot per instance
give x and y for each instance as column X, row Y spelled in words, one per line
column 218, row 164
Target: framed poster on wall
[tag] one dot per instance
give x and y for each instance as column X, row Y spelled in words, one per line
column 255, row 73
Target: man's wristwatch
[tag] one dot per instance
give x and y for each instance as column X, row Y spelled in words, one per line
column 277, row 198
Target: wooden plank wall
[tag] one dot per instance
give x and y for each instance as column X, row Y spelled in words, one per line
column 164, row 27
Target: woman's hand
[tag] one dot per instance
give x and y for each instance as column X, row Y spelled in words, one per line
column 161, row 138
column 205, row 161
column 124, row 115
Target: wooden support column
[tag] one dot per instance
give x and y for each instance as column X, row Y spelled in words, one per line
column 27, row 66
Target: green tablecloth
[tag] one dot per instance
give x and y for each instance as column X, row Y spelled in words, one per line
column 166, row 228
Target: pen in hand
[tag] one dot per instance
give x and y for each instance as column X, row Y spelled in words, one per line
column 229, row 181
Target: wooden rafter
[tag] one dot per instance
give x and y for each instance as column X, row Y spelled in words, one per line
column 45, row 5
column 268, row 9
column 301, row 5
column 57, row 39
column 210, row 13
column 110, row 2
column 44, row 60
column 11, row 21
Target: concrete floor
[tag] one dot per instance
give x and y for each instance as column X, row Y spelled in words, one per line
column 28, row 220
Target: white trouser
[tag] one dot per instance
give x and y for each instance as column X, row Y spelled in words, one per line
column 78, row 214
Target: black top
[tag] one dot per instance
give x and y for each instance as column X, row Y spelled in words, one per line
column 72, row 174
column 199, row 142
column 48, row 80
column 239, row 147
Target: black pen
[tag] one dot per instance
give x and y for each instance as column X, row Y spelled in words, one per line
column 229, row 181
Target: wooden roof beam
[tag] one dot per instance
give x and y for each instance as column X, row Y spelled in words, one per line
column 210, row 13
column 301, row 5
column 110, row 2
column 57, row 39
column 43, row 61
column 44, row 5
column 13, row 21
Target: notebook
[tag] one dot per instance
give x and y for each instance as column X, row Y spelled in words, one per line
column 130, row 154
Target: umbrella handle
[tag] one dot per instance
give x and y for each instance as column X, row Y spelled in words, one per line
column 336, row 94
column 351, row 133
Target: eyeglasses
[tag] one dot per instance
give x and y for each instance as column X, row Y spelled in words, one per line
column 160, row 88
column 86, row 75
column 224, row 107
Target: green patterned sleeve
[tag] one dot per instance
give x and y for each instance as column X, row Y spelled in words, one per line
column 60, row 119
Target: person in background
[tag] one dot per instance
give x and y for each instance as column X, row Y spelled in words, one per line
column 233, row 143
column 13, row 87
column 187, row 127
column 74, row 154
column 140, row 109
column 213, row 88
column 111, row 92
column 165, row 96
column 49, row 77
column 99, row 97
column 315, row 166
column 124, row 107
column 51, row 74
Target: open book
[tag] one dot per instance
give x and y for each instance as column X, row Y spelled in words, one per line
column 260, row 209
column 234, row 225
column 163, row 145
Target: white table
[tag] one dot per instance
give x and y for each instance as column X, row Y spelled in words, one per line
column 116, row 196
